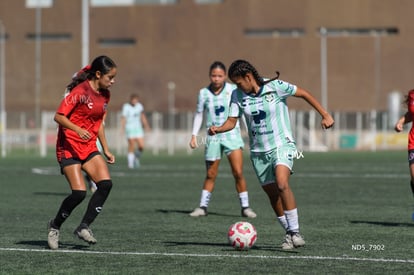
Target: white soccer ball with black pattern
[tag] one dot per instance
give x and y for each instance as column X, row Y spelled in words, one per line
column 242, row 235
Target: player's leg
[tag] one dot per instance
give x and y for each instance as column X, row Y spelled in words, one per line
column 131, row 154
column 98, row 171
column 140, row 148
column 72, row 171
column 411, row 165
column 293, row 238
column 272, row 193
column 412, row 177
column 208, row 187
column 212, row 157
column 235, row 158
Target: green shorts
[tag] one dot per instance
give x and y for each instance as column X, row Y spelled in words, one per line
column 134, row 132
column 216, row 145
column 264, row 163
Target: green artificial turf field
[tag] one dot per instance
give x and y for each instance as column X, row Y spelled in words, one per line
column 354, row 209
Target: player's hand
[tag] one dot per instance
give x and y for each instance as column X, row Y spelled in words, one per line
column 84, row 134
column 212, row 130
column 327, row 121
column 193, row 142
column 398, row 127
column 110, row 158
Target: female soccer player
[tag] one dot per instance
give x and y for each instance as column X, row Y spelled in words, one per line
column 263, row 103
column 80, row 116
column 214, row 99
column 133, row 118
column 407, row 118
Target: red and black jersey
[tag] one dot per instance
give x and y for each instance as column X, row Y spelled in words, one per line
column 84, row 107
column 410, row 102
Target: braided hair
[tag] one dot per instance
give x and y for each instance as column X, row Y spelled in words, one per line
column 240, row 68
column 102, row 64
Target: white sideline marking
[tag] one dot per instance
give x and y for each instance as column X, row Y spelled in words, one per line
column 383, row 260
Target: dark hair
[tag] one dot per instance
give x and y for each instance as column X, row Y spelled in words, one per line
column 133, row 96
column 407, row 97
column 240, row 68
column 101, row 64
column 217, row 64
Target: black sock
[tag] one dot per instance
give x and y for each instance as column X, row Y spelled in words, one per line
column 412, row 186
column 68, row 204
column 97, row 201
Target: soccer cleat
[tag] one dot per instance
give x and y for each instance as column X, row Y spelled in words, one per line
column 297, row 240
column 199, row 211
column 248, row 212
column 287, row 242
column 52, row 236
column 292, row 240
column 83, row 232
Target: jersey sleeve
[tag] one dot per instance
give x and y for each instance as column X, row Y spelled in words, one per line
column 69, row 102
column 235, row 107
column 125, row 110
column 200, row 102
column 410, row 102
column 198, row 121
column 284, row 89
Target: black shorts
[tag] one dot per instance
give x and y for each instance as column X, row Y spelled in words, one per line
column 66, row 162
column 411, row 157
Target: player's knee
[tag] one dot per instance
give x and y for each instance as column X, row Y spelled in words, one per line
column 104, row 186
column 282, row 186
column 78, row 196
column 238, row 175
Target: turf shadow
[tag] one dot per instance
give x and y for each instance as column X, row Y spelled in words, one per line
column 169, row 211
column 390, row 224
column 227, row 247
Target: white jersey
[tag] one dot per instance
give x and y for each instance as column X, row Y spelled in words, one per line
column 132, row 115
column 216, row 107
column 266, row 113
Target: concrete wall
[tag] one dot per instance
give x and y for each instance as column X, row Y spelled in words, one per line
column 178, row 43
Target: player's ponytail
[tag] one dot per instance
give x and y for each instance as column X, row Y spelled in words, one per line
column 102, row 64
column 270, row 80
column 78, row 77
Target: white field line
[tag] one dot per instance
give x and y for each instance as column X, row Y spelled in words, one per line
column 321, row 258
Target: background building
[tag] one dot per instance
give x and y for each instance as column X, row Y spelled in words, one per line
column 350, row 54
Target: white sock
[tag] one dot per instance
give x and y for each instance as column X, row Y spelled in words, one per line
column 283, row 222
column 244, row 199
column 131, row 160
column 205, row 198
column 292, row 220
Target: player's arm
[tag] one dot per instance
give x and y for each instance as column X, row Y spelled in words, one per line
column 102, row 139
column 144, row 121
column 197, row 122
column 327, row 120
column 228, row 125
column 406, row 118
column 62, row 120
column 123, row 120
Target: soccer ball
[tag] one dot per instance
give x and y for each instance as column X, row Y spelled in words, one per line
column 242, row 235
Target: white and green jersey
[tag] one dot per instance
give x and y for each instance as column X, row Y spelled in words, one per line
column 266, row 113
column 216, row 107
column 132, row 114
